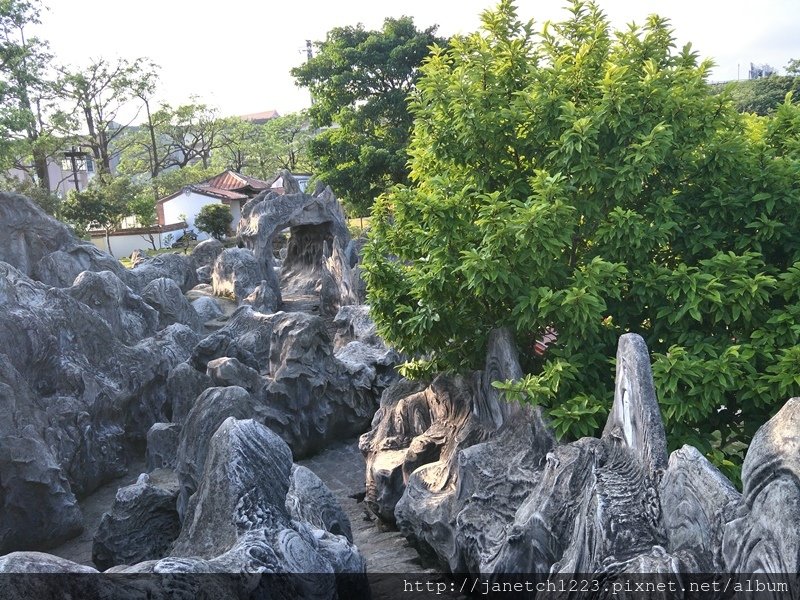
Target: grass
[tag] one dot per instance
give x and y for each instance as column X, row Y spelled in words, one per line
column 126, row 261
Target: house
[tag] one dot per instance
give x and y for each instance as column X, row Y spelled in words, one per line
column 229, row 187
column 261, row 117
column 70, row 169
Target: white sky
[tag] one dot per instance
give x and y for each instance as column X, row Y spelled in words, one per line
column 236, row 54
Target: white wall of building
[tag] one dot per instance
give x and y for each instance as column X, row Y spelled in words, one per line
column 189, row 204
column 124, row 245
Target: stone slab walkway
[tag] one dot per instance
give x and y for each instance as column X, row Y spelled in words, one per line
column 342, row 468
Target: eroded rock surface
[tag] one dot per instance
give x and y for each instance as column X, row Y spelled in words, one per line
column 75, row 395
column 141, row 525
column 483, row 488
column 312, row 221
column 239, row 521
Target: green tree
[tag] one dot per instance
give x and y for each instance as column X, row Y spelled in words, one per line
column 359, row 80
column 26, row 94
column 214, row 219
column 590, row 183
column 100, row 94
column 143, row 208
column 761, row 96
column 262, row 150
column 104, row 204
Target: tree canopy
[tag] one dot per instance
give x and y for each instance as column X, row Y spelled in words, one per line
column 359, row 81
column 586, row 181
column 214, row 219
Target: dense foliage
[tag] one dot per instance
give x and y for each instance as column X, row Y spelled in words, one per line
column 760, row 96
column 214, row 219
column 588, row 181
column 359, row 80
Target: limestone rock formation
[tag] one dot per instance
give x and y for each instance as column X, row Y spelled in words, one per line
column 180, row 268
column 263, row 298
column 339, row 283
column 212, row 408
column 241, row 526
column 206, row 252
column 74, row 396
column 60, row 268
column 238, row 273
column 166, row 297
column 312, row 220
column 482, row 488
column 127, row 313
column 353, row 323
column 162, row 446
column 141, row 525
column 308, row 499
column 43, row 248
column 207, row 308
column 764, row 536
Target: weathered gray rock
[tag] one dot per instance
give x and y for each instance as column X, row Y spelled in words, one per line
column 162, row 446
column 205, row 275
column 184, row 385
column 479, row 484
column 369, row 367
column 206, row 252
column 212, row 408
column 697, row 501
column 237, row 273
column 308, row 499
column 75, row 396
column 338, row 281
column 353, row 323
column 311, row 397
column 166, row 297
column 238, row 524
column 142, row 524
column 312, row 221
column 128, row 315
column 238, row 520
column 229, row 371
column 764, row 537
column 181, row 269
column 29, row 234
column 60, row 268
column 263, row 299
column 219, row 344
column 206, row 308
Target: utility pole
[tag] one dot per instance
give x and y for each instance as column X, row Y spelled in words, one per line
column 73, row 155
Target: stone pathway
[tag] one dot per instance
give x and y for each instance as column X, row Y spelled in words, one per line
column 341, row 468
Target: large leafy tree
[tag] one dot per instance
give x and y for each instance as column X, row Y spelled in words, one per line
column 26, row 94
column 588, row 182
column 263, row 149
column 101, row 97
column 359, row 80
column 104, row 204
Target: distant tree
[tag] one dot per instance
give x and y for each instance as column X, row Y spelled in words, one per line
column 171, row 180
column 99, row 94
column 104, row 204
column 359, row 81
column 793, row 67
column 214, row 219
column 761, row 96
column 144, row 209
column 26, row 94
